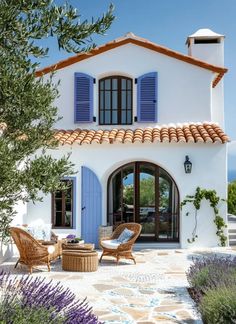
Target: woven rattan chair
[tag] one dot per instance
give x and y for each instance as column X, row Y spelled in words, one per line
column 32, row 252
column 124, row 250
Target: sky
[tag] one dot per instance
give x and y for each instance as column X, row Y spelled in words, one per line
column 168, row 23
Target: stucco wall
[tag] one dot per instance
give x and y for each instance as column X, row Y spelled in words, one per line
column 184, row 90
column 209, row 171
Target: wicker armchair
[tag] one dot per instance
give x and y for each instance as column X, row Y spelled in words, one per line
column 124, row 250
column 33, row 252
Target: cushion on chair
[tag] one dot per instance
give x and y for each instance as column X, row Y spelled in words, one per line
column 111, row 244
column 125, row 236
column 41, row 232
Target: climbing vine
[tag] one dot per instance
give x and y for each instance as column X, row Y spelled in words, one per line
column 214, row 200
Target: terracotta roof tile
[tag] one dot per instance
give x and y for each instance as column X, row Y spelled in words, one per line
column 187, row 133
column 139, row 41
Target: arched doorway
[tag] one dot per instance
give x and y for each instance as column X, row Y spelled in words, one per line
column 145, row 193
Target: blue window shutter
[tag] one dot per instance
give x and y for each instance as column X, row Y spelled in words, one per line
column 147, row 98
column 91, row 208
column 83, row 97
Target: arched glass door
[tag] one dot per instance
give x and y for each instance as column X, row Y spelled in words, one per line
column 145, row 193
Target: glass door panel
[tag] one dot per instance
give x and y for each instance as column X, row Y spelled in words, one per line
column 167, row 220
column 116, row 210
column 128, row 194
column 147, row 200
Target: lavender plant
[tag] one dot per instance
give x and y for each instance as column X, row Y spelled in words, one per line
column 219, row 306
column 33, row 300
column 210, row 273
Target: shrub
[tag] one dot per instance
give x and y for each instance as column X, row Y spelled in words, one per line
column 15, row 313
column 36, row 299
column 209, row 273
column 219, row 306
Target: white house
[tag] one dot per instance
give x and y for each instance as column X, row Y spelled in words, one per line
column 132, row 111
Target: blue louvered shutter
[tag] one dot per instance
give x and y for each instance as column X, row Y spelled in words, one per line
column 83, row 98
column 91, row 209
column 147, row 98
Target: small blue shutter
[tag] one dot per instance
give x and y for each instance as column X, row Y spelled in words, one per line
column 91, row 214
column 147, row 98
column 83, row 98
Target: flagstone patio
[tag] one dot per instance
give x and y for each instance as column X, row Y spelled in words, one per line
column 153, row 291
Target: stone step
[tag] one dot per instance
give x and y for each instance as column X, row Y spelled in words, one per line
column 153, row 245
column 231, row 225
column 231, row 230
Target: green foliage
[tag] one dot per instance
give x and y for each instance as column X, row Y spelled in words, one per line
column 147, row 193
column 27, row 110
column 232, row 198
column 200, row 278
column 20, row 315
column 214, row 200
column 219, row 306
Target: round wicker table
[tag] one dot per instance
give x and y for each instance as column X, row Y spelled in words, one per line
column 79, row 260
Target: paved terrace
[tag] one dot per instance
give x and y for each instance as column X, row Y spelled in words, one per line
column 153, row 291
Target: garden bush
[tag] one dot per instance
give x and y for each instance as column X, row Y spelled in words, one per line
column 27, row 299
column 219, row 306
column 209, row 273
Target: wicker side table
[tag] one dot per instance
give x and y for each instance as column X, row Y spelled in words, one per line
column 82, row 261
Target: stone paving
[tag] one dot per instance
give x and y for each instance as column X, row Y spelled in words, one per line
column 152, row 291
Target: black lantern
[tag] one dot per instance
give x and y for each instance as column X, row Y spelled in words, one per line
column 187, row 165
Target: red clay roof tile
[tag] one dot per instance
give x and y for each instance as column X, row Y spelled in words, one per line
column 188, row 133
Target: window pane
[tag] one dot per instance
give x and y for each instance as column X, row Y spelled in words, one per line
column 68, row 219
column 123, row 84
column 107, row 117
column 58, row 194
column 123, row 117
column 114, row 117
column 129, row 117
column 123, row 100
column 114, row 84
column 107, row 84
column 114, row 100
column 102, row 85
column 58, row 205
column 107, row 100
column 101, row 120
column 129, row 84
column 129, row 100
column 58, row 219
column 101, row 100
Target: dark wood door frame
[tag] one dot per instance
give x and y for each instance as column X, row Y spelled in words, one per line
column 136, row 198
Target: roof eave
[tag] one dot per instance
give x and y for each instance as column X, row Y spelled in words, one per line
column 143, row 43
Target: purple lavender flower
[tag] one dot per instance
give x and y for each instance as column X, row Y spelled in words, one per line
column 71, row 236
column 211, row 273
column 31, row 293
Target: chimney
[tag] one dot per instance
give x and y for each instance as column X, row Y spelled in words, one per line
column 207, row 46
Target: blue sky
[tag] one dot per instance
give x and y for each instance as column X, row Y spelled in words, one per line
column 168, row 23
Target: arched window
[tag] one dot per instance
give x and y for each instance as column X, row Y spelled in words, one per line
column 115, row 100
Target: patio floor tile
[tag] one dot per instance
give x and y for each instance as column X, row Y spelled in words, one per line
column 152, row 291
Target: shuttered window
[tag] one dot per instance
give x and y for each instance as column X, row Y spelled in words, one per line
column 83, row 98
column 115, row 101
column 147, row 97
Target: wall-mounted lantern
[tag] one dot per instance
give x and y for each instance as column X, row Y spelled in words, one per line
column 187, row 165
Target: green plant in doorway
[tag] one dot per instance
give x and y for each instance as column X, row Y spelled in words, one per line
column 214, row 199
